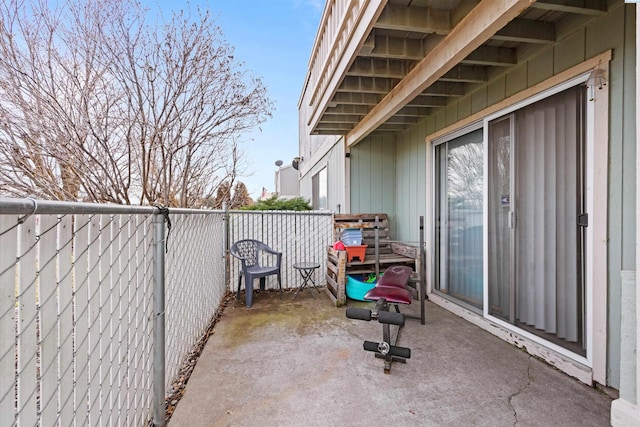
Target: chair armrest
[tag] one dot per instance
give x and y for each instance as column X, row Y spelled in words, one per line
column 273, row 252
column 238, row 256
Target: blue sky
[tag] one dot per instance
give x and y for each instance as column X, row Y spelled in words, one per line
column 274, row 39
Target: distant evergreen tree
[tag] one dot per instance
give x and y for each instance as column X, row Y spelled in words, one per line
column 275, row 204
column 241, row 197
column 223, row 195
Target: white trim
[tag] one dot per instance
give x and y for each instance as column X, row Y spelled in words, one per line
column 596, row 171
column 534, row 338
column 429, row 217
column 589, row 196
column 624, row 414
column 457, row 133
column 597, row 236
column 539, row 96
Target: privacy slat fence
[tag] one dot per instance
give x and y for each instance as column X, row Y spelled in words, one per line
column 100, row 304
column 300, row 236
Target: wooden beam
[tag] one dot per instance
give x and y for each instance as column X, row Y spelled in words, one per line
column 341, row 118
column 392, row 127
column 472, row 31
column 492, row 56
column 360, row 110
column 581, row 7
column 338, row 127
column 440, row 88
column 411, row 111
column 328, row 132
column 527, row 31
column 414, row 19
column 404, row 120
column 428, row 101
column 377, row 67
column 367, row 84
column 379, row 46
column 351, row 98
column 467, row 74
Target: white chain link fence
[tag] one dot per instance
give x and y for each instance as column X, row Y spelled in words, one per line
column 300, row 236
column 78, row 290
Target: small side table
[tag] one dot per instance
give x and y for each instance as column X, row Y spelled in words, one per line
column 306, row 270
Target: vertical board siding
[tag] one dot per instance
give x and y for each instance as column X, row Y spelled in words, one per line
column 410, row 175
column 373, row 178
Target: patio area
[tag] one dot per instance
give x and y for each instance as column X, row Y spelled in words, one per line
column 294, row 362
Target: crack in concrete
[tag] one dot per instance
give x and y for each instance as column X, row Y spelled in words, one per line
column 530, row 379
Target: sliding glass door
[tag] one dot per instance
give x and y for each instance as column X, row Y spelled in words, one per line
column 501, row 219
column 459, row 169
column 536, row 218
column 534, row 211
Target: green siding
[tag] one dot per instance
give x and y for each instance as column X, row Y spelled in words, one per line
column 569, row 52
column 540, row 68
column 373, row 183
column 478, row 100
column 411, row 177
column 516, row 80
column 400, row 190
column 496, row 90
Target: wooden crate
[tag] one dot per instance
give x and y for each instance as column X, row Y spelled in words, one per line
column 390, row 253
column 367, row 223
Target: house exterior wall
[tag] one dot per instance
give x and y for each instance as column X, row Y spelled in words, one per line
column 391, row 173
column 402, row 161
column 287, row 184
column 411, row 175
column 334, row 160
column 373, row 177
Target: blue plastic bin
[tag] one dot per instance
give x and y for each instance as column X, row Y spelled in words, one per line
column 357, row 287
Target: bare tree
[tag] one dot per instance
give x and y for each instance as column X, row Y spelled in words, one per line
column 96, row 104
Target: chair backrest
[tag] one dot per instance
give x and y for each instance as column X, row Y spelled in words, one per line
column 247, row 251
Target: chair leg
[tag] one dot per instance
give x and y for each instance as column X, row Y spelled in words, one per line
column 263, row 284
column 248, row 291
column 280, row 285
column 239, row 285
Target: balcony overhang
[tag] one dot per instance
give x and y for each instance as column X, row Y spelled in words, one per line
column 395, row 64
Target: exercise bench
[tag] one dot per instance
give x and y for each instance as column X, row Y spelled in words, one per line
column 389, row 290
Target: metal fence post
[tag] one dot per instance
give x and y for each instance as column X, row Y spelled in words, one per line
column 158, row 319
column 227, row 244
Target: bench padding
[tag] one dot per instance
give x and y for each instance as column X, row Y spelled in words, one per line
column 396, row 276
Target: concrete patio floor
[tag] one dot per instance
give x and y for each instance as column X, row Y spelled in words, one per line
column 300, row 362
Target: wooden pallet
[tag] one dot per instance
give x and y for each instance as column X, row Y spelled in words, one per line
column 389, row 253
